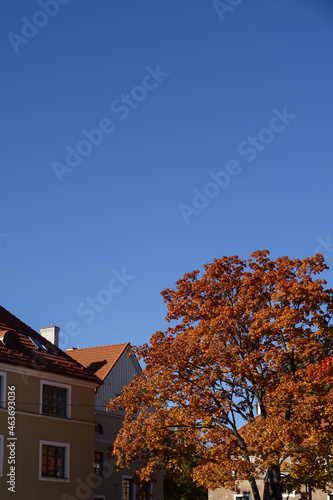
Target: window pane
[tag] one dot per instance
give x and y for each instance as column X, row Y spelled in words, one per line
column 54, row 400
column 50, row 466
column 60, row 467
column 127, row 489
column 44, row 460
column 38, row 343
column 53, row 461
column 98, row 464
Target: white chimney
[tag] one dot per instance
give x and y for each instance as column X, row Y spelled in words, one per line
column 51, row 333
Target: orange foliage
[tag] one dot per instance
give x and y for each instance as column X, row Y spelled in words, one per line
column 245, row 333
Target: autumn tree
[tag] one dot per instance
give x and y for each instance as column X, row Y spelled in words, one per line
column 182, row 487
column 244, row 334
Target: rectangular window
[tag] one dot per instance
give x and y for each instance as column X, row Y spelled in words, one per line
column 55, row 399
column 38, row 344
column 3, row 387
column 148, row 490
column 128, row 488
column 1, row 455
column 288, row 492
column 54, row 461
column 98, row 463
column 243, row 496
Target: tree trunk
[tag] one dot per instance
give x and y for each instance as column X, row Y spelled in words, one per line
column 273, row 484
column 254, row 488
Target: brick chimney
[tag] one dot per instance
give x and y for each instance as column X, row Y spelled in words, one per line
column 51, row 333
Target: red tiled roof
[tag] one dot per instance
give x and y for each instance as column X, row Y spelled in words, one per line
column 17, row 348
column 99, row 360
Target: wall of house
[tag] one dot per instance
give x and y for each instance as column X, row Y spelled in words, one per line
column 121, row 374
column 31, row 427
column 111, row 483
column 224, row 494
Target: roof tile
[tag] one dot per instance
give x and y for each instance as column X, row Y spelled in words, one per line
column 99, row 360
column 18, row 349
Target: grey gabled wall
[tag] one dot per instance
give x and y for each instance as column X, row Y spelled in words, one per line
column 120, row 375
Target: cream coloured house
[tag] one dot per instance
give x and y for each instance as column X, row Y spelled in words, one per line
column 47, row 418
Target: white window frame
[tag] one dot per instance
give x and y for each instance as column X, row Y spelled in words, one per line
column 67, row 461
column 329, row 495
column 289, row 495
column 55, row 384
column 122, row 486
column 2, row 441
column 3, row 391
column 241, row 495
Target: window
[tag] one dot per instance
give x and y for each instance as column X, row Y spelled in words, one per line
column 1, row 455
column 128, row 488
column 55, row 399
column 54, row 461
column 148, row 490
column 38, row 343
column 99, row 428
column 243, row 496
column 288, row 492
column 98, row 463
column 3, row 377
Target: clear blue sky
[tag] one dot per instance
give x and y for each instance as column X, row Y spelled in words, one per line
column 215, row 138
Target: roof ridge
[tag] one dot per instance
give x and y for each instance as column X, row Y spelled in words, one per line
column 54, row 359
column 96, row 346
column 110, row 354
column 14, row 318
